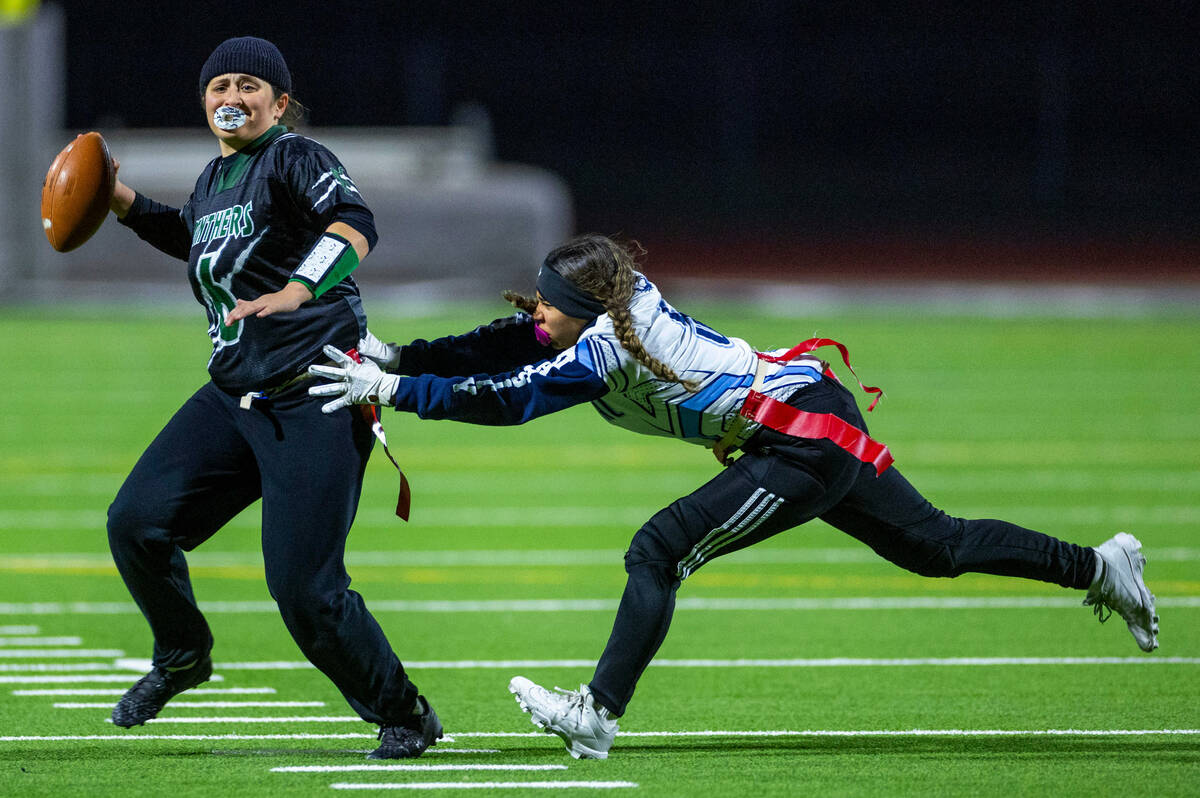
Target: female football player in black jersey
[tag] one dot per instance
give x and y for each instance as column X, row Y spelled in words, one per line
column 271, row 233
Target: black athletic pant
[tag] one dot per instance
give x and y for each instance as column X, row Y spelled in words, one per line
column 780, row 482
column 211, row 461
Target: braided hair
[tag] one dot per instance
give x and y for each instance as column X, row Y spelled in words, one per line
column 605, row 269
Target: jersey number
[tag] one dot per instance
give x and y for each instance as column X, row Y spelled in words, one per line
column 219, row 299
column 703, row 330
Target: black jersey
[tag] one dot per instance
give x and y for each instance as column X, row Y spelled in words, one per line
column 249, row 222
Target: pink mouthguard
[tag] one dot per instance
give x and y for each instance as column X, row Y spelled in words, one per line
column 541, row 335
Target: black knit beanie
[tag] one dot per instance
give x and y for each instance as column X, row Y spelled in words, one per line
column 247, row 55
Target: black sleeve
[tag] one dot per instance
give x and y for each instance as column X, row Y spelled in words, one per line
column 360, row 218
column 160, row 225
column 323, row 189
column 504, row 345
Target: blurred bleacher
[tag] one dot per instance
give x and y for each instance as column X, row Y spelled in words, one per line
column 451, row 221
column 824, row 201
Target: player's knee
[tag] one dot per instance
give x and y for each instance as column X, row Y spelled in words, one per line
column 296, row 597
column 309, row 609
column 934, row 560
column 935, row 547
column 648, row 549
column 128, row 521
column 650, row 562
column 312, row 626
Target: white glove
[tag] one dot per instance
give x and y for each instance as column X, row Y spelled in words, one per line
column 355, row 383
column 386, row 355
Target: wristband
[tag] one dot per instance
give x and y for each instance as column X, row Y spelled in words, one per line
column 326, row 264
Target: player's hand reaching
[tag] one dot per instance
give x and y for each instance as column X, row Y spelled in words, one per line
column 354, row 383
column 386, row 355
column 291, row 297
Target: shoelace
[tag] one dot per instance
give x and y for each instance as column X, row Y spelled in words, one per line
column 575, row 700
column 391, row 732
column 1098, row 605
column 1098, row 609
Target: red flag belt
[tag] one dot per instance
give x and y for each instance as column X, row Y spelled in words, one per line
column 804, row 347
column 784, row 418
column 802, row 424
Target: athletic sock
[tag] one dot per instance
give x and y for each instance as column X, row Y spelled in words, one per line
column 601, row 710
column 1099, row 568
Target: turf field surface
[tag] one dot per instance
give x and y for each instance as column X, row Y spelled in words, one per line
column 804, row 665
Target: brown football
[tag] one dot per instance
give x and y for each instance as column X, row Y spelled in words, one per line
column 76, row 192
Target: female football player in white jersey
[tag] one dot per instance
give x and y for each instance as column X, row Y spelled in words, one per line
column 271, row 233
column 806, row 454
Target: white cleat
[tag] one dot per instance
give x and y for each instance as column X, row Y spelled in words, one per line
column 1121, row 589
column 573, row 715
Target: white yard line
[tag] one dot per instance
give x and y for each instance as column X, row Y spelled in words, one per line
column 183, row 703
column 502, row 557
column 486, row 785
column 917, row 733
column 404, row 767
column 55, row 738
column 263, row 719
column 23, row 521
column 59, row 667
column 95, row 679
column 58, row 653
column 831, row 662
column 827, row 662
column 133, row 736
column 18, row 630
column 1025, row 482
column 871, row 733
column 609, row 605
column 121, row 691
column 41, row 641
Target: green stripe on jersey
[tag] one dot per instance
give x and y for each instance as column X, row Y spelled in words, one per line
column 233, row 168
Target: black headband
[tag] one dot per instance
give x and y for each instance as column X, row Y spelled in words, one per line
column 566, row 296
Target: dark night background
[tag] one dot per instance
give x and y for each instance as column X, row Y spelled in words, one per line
column 1056, row 123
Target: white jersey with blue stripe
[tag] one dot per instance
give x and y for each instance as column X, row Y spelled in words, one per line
column 599, row 370
column 723, row 367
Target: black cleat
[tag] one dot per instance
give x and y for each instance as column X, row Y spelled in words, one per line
column 410, row 739
column 147, row 697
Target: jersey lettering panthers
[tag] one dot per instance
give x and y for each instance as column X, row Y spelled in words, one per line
column 250, row 220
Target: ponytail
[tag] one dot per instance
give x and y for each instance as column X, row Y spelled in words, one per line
column 606, row 269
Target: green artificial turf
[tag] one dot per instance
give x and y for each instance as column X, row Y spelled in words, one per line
column 1078, row 427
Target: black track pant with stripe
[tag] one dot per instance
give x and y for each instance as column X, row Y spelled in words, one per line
column 781, row 482
column 211, row 461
